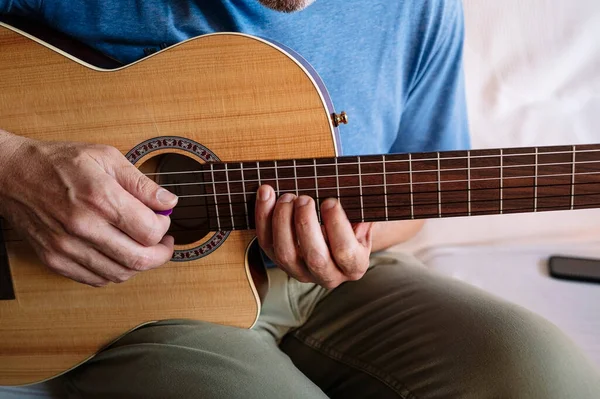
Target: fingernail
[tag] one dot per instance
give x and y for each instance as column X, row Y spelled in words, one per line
column 329, row 203
column 264, row 193
column 166, row 197
column 301, row 201
column 287, row 198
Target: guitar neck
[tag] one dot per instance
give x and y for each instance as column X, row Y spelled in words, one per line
column 411, row 186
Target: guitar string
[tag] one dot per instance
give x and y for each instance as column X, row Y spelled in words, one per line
column 403, row 217
column 394, row 173
column 309, row 160
column 218, row 226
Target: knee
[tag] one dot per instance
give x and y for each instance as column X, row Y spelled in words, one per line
column 520, row 354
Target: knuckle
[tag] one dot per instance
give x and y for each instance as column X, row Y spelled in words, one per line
column 60, row 244
column 52, row 260
column 121, row 277
column 142, row 183
column 330, row 284
column 346, row 257
column 356, row 275
column 109, row 151
column 304, row 278
column 141, row 263
column 316, row 261
column 151, row 236
column 99, row 201
column 76, row 226
column 302, row 221
column 98, row 283
column 78, row 155
column 284, row 257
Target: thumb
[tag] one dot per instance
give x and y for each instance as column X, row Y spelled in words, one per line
column 364, row 233
column 143, row 188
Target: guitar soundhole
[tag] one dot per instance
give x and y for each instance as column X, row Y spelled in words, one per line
column 189, row 221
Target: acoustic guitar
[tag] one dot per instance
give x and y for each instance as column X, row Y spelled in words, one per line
column 211, row 119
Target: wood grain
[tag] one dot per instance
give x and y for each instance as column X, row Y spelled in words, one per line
column 240, row 97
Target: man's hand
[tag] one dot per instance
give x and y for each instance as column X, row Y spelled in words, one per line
column 87, row 212
column 289, row 232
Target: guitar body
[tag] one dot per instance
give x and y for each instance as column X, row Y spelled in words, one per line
column 225, row 97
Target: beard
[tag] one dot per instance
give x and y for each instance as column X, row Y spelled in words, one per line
column 287, row 5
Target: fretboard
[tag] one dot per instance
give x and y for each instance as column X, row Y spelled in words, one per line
column 406, row 186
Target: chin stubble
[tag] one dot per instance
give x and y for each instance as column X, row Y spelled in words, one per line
column 287, row 5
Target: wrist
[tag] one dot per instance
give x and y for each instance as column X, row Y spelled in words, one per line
column 9, row 145
column 388, row 234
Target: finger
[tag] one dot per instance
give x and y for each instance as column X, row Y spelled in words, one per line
column 67, row 268
column 122, row 249
column 350, row 255
column 80, row 274
column 265, row 203
column 284, row 240
column 313, row 247
column 364, row 234
column 96, row 262
column 140, row 186
column 129, row 215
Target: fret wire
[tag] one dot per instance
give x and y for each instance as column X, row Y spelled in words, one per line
column 429, row 182
column 412, row 207
column 535, row 193
column 229, row 196
column 385, row 195
column 258, row 173
column 296, row 179
column 406, row 160
column 276, row 179
column 469, row 182
column 212, row 172
column 501, row 181
column 337, row 179
column 439, row 174
column 401, row 173
column 245, row 198
column 317, row 190
column 362, row 205
column 573, row 181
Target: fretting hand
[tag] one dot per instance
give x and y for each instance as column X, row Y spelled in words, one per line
column 289, row 232
column 87, row 212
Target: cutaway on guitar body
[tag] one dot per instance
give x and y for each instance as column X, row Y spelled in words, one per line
column 228, row 97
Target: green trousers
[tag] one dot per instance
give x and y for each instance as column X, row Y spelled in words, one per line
column 402, row 331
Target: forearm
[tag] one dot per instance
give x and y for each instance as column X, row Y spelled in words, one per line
column 387, row 234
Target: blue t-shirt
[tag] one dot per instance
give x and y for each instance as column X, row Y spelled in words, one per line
column 394, row 66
